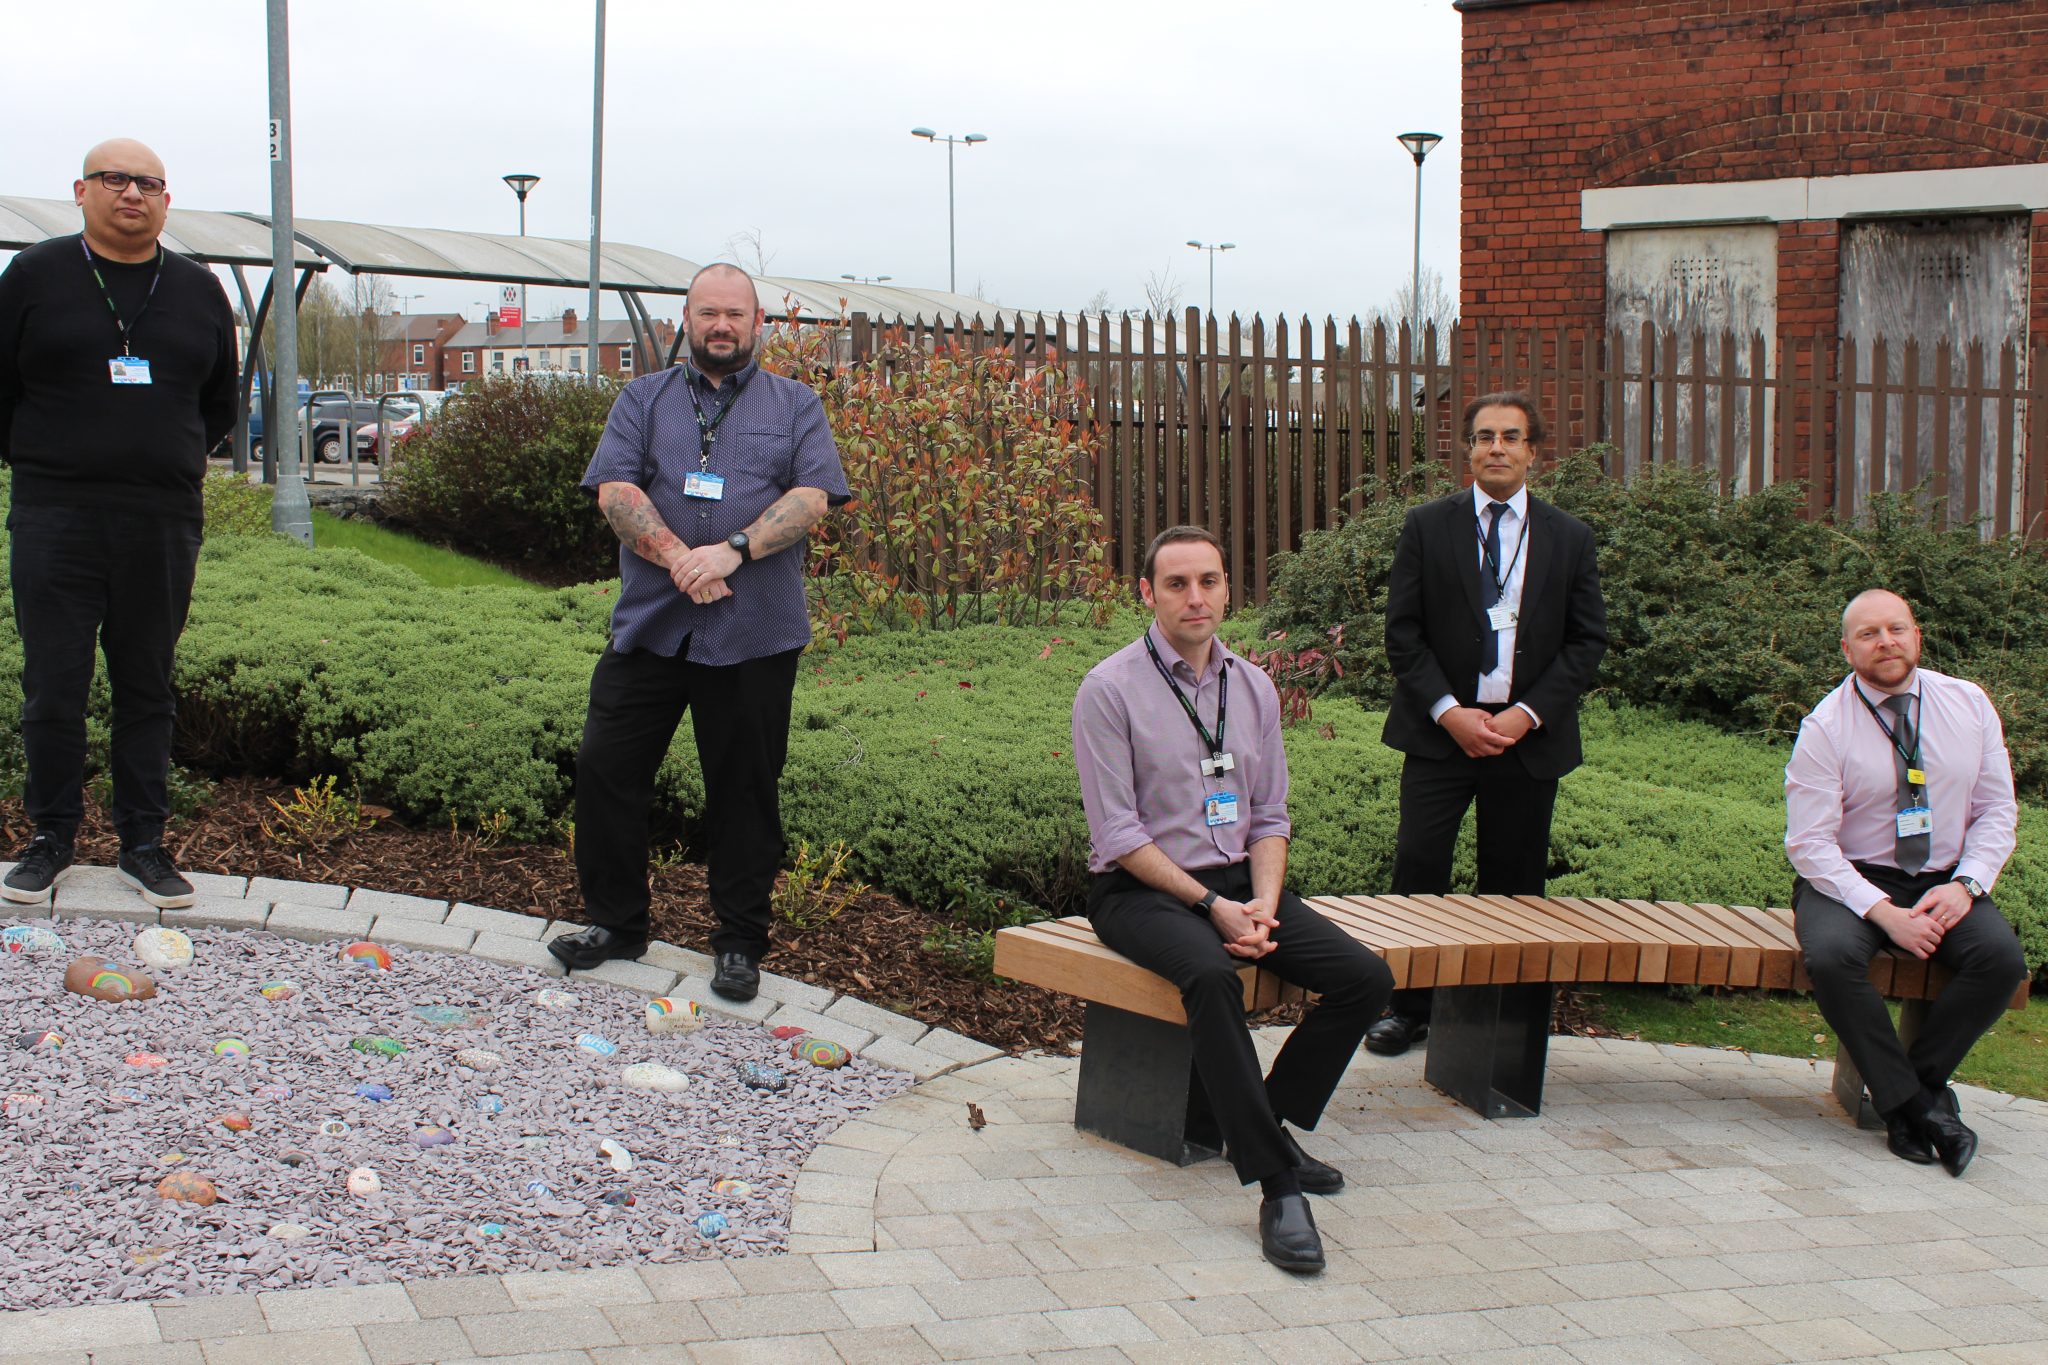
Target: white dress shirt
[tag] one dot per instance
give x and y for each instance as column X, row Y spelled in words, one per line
column 1515, row 549
column 1841, row 788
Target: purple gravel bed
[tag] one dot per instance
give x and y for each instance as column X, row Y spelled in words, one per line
column 81, row 1222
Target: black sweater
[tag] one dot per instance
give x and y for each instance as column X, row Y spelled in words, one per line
column 74, row 436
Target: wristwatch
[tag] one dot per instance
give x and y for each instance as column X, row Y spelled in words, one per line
column 1971, row 885
column 1205, row 904
column 738, row 541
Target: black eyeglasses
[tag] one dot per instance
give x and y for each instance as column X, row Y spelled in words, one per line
column 119, row 181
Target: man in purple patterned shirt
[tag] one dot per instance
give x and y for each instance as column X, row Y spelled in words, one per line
column 1184, row 780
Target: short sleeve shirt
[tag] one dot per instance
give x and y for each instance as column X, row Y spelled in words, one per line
column 774, row 438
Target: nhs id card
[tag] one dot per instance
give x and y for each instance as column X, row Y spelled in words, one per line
column 710, row 487
column 128, row 369
column 1220, row 809
column 1915, row 820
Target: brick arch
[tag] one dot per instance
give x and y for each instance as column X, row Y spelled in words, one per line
column 1792, row 125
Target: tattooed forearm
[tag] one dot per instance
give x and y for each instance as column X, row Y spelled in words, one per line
column 786, row 521
column 638, row 526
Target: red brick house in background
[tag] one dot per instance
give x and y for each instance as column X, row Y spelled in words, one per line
column 564, row 343
column 410, row 356
column 1841, row 169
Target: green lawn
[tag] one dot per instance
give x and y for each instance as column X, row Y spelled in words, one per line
column 2012, row 1057
column 442, row 568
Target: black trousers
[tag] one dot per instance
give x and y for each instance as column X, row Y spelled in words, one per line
column 740, row 715
column 119, row 579
column 1514, row 833
column 1982, row 950
column 1160, row 934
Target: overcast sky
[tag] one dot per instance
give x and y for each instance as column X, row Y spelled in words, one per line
column 1117, row 130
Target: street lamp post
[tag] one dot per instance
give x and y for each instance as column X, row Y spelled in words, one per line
column 952, row 259
column 1212, row 250
column 1418, row 145
column 404, row 335
column 867, row 279
column 522, row 185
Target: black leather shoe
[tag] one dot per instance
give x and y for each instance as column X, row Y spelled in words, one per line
column 737, row 978
column 1316, row 1177
column 1952, row 1139
column 1903, row 1137
column 1946, row 1098
column 1288, row 1236
column 595, row 946
column 1393, row 1035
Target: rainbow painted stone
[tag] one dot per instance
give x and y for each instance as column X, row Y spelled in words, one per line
column 41, row 1040
column 664, row 1015
column 186, row 1188
column 231, row 1047
column 279, row 989
column 365, row 954
column 377, row 1045
column 820, row 1052
column 92, row 978
column 732, row 1188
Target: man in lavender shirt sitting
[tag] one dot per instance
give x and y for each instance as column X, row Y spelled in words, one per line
column 1899, row 816
column 1185, row 783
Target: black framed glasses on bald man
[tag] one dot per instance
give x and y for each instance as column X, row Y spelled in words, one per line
column 119, row 181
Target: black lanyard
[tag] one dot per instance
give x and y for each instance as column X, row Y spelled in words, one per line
column 1500, row 576
column 1912, row 759
column 108, row 294
column 707, row 427
column 1215, row 745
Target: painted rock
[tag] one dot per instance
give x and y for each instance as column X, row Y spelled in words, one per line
column 121, row 1094
column 163, row 950
column 620, row 1199
column 292, row 1156
column 539, row 1189
column 377, row 1045
column 761, row 1076
column 289, row 1232
column 731, row 1188
column 231, row 1047
column 20, row 1104
column 376, row 1092
column 173, row 1158
column 363, row 1182
column 41, row 1040
column 450, row 1016
column 820, row 1052
column 30, row 940
column 491, row 1104
column 559, row 1001
column 235, row 1121
column 784, row 1032
column 597, row 1045
column 375, row 956
column 279, row 988
column 335, row 1128
column 712, row 1224
column 273, row 1091
column 616, row 1154
column 654, row 1076
column 478, row 1059
column 533, row 1140
column 147, row 1256
column 186, row 1188
column 664, row 1015
column 490, row 1229
column 92, row 978
column 432, row 1135
column 152, row 1061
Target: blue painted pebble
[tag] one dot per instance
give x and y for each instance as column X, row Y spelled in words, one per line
column 711, row 1224
column 761, row 1076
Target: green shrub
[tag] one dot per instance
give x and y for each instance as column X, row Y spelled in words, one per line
column 234, row 506
column 1721, row 608
column 497, row 473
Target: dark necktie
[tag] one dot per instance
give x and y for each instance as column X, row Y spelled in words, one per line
column 1910, row 850
column 1489, row 588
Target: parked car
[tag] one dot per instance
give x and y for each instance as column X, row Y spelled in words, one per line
column 406, row 413
column 256, row 413
column 332, row 421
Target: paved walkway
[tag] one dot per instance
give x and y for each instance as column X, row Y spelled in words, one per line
column 1671, row 1204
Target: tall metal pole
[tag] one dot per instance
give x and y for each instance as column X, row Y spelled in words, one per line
column 594, row 351
column 525, row 361
column 289, row 510
column 1212, row 281
column 1415, row 272
column 952, row 251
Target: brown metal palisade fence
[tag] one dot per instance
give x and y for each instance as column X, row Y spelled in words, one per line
column 1266, row 432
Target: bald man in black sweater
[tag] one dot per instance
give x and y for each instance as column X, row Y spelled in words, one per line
column 117, row 376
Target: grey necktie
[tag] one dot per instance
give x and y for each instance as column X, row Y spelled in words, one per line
column 1910, row 850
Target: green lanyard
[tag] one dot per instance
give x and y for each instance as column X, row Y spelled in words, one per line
column 108, row 294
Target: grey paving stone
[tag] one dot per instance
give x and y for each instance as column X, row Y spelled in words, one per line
column 329, row 1346
column 698, row 988
column 312, row 1310
column 681, row 961
column 414, row 1343
column 550, row 1329
column 314, row 924
column 215, row 884
column 881, row 1022
column 850, row 1036
column 224, row 1315
column 75, row 899
column 78, row 1329
column 633, row 976
column 907, row 1057
column 791, row 991
column 326, row 895
column 219, row 912
column 420, row 933
column 507, row 923
column 516, row 952
column 459, row 1295
column 958, row 1046
column 379, row 903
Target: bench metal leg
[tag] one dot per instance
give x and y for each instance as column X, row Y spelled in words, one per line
column 1138, row 1087
column 1487, row 1046
column 1849, row 1089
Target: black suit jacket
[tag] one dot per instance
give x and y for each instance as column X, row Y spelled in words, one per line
column 1435, row 629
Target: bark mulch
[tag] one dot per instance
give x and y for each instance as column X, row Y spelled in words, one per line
column 875, row 950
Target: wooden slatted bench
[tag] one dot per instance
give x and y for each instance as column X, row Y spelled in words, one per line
column 1494, row 961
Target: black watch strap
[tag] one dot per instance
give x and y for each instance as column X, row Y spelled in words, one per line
column 1206, row 903
column 738, row 540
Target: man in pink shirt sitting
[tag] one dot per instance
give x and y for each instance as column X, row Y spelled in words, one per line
column 1184, row 780
column 1899, row 815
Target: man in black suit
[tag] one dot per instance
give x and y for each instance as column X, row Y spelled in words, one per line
column 1495, row 627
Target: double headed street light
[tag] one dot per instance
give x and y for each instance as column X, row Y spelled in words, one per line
column 1418, row 145
column 1212, row 250
column 952, row 259
column 867, row 279
column 522, row 185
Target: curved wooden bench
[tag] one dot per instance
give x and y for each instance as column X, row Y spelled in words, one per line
column 1494, row 962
